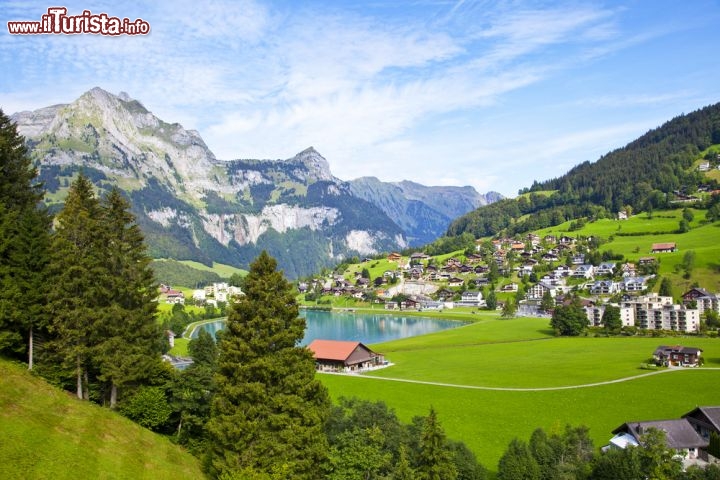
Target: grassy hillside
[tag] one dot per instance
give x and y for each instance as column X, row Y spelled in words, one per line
column 48, row 434
column 633, row 238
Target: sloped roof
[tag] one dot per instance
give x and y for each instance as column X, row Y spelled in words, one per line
column 679, row 434
column 664, row 246
column 334, row 349
column 712, row 414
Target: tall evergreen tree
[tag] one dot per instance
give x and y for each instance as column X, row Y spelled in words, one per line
column 435, row 460
column 24, row 245
column 269, row 410
column 129, row 340
column 517, row 463
column 79, row 275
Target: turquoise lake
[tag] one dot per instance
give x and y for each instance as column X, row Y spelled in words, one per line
column 361, row 327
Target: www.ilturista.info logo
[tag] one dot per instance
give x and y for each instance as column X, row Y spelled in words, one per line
column 57, row 21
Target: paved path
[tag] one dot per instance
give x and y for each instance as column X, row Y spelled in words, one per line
column 540, row 389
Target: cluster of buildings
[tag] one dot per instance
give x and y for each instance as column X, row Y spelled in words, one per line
column 656, row 312
column 215, row 293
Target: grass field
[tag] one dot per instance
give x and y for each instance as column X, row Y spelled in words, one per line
column 225, row 271
column 521, row 353
column 48, row 434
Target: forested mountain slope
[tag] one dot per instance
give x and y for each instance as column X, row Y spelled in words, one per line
column 648, row 173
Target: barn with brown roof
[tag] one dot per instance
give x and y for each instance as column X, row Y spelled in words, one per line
column 344, row 356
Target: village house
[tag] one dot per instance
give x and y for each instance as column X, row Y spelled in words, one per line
column 705, row 421
column 471, row 298
column 343, row 356
column 394, row 257
column 704, row 300
column 537, row 291
column 583, row 271
column 677, row 356
column 628, row 269
column 605, row 268
column 604, row 287
column 679, row 435
column 667, row 247
column 634, row 284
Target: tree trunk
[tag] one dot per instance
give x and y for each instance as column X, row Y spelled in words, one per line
column 86, row 389
column 79, row 380
column 30, row 350
column 113, row 396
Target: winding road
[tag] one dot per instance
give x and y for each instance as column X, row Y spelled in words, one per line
column 538, row 389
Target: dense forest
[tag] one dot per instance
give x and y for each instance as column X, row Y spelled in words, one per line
column 649, row 173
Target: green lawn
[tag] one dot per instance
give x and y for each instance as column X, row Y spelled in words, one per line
column 48, row 434
column 521, row 353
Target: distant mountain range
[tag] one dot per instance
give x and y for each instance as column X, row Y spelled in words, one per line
column 192, row 206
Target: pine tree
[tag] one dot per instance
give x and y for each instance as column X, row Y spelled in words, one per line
column 24, row 245
column 269, row 410
column 435, row 460
column 79, row 278
column 517, row 463
column 129, row 337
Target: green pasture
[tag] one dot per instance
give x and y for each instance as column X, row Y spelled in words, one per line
column 522, row 354
column 488, row 420
column 225, row 271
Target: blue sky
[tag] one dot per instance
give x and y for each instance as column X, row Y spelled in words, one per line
column 491, row 94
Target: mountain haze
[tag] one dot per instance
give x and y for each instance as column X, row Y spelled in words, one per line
column 193, row 206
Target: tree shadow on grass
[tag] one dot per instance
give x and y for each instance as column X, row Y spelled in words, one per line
column 712, row 361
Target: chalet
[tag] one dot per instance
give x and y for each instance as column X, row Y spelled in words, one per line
column 455, row 282
column 563, row 271
column 583, row 271
column 647, row 261
column 578, row 259
column 510, row 287
column 533, row 239
column 471, row 298
column 705, row 420
column 480, row 269
column 622, row 215
column 679, row 435
column 550, row 257
column 394, row 257
column 604, row 287
column 677, row 356
column 703, row 166
column 628, row 269
column 410, row 304
column 550, row 239
column 174, row 296
column 444, row 294
column 704, row 300
column 605, row 268
column 567, row 241
column 537, row 291
column 517, row 246
column 474, row 258
column 668, row 247
column 419, row 256
column 633, row 284
column 342, row 356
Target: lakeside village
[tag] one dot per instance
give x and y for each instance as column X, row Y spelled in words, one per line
column 539, row 272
